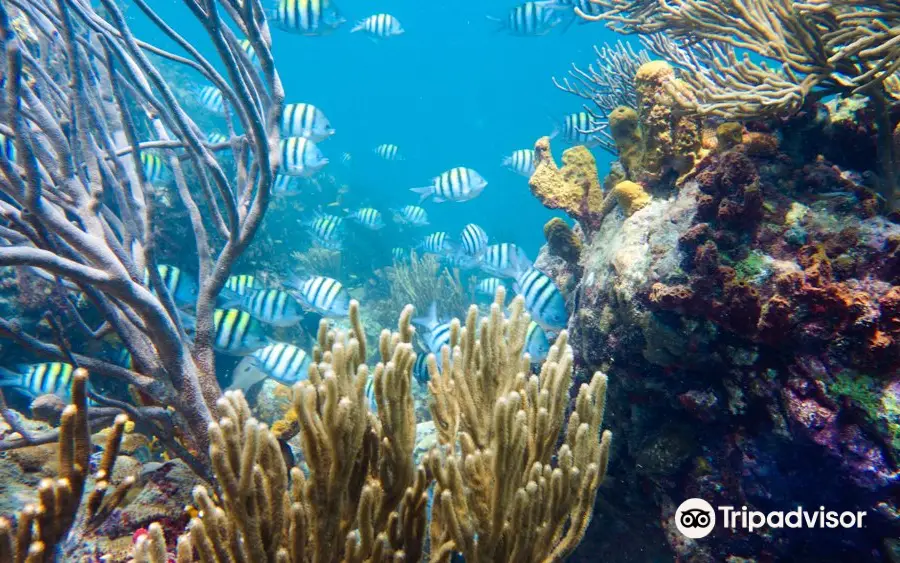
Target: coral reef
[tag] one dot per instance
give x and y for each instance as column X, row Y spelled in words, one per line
column 40, row 528
column 671, row 140
column 574, row 188
column 503, row 488
column 562, row 240
column 629, row 196
column 421, row 281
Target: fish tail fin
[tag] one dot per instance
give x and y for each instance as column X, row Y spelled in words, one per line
column 9, row 378
column 424, row 192
column 507, row 161
column 430, row 320
column 360, row 25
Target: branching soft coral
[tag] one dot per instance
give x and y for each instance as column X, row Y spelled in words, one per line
column 363, row 499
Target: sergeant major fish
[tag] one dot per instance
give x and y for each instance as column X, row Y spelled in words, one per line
column 211, row 98
column 305, row 120
column 307, row 17
column 379, row 25
column 435, row 334
column 300, row 157
column 412, row 215
column 369, row 218
column 543, row 300
column 530, row 18
column 272, row 306
column 457, row 184
column 388, row 151
column 40, row 379
column 474, row 239
column 504, row 260
column 521, row 162
column 324, row 295
column 237, row 333
column 436, row 243
column 326, row 230
column 285, row 363
column 242, row 284
column 536, row 343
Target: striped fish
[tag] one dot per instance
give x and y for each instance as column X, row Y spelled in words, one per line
column 543, row 300
column 585, row 6
column 324, row 295
column 474, row 239
column 370, row 394
column 398, row 254
column 156, row 171
column 48, row 378
column 457, row 184
column 211, row 98
column 305, row 120
column 300, row 157
column 521, row 162
column 182, row 286
column 237, row 332
column 412, row 215
column 536, row 343
column 581, row 129
column 435, row 334
column 346, row 158
column 420, row 369
column 488, row 287
column 248, row 48
column 369, row 218
column 272, row 306
column 285, row 185
column 285, row 363
column 326, row 230
column 388, row 151
column 505, row 260
column 8, row 147
column 530, row 18
column 215, row 138
column 242, row 284
column 379, row 25
column 307, row 17
column 436, row 243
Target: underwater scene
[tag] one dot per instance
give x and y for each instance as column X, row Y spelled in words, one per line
column 346, row 281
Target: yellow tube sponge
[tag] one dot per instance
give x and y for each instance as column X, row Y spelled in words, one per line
column 574, row 188
column 624, row 126
column 630, row 196
column 672, row 141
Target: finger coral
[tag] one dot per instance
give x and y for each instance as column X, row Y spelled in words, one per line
column 503, row 491
column 41, row 527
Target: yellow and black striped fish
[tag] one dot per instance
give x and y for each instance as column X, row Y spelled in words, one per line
column 40, row 379
column 307, row 17
column 272, row 306
column 156, row 171
column 242, row 283
column 237, row 332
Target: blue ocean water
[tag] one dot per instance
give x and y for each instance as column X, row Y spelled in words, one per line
column 453, row 90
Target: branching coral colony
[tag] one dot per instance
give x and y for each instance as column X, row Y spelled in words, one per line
column 82, row 104
column 820, row 48
column 496, row 495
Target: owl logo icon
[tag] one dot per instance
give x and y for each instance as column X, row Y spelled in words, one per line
column 695, row 518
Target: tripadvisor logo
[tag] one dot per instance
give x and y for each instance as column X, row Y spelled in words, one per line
column 696, row 518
